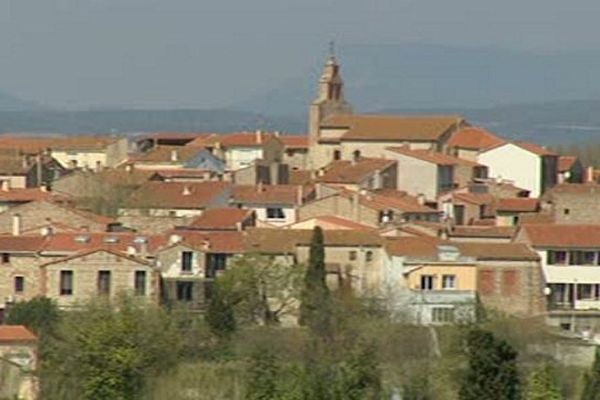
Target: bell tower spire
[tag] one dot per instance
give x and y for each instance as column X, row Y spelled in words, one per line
column 330, row 96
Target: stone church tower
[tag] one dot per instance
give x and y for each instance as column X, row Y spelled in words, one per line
column 329, row 101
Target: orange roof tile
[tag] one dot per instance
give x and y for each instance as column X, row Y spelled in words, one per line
column 183, row 195
column 565, row 236
column 519, row 204
column 16, row 333
column 221, row 219
column 565, row 163
column 164, row 154
column 353, row 171
column 240, row 139
column 505, row 232
column 474, row 138
column 393, row 128
column 19, row 195
column 432, row 157
column 422, row 246
column 496, row 251
column 36, row 144
column 332, row 222
column 21, row 244
column 390, row 199
column 294, row 141
column 230, row 242
column 102, row 248
column 76, row 242
column 474, row 198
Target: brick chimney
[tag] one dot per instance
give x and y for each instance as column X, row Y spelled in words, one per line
column 174, row 156
column 258, row 136
column 6, row 185
column 186, row 190
column 300, row 195
column 16, row 225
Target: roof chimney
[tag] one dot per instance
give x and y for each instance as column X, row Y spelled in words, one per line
column 44, row 187
column 258, row 136
column 421, row 199
column 16, row 225
column 6, row 185
column 186, row 190
column 129, row 167
column 174, row 156
column 260, row 186
column 300, row 195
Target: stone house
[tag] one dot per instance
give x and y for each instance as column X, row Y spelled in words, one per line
column 463, row 207
column 527, row 165
column 147, row 141
column 570, row 259
column 18, row 363
column 376, row 209
column 100, row 272
column 89, row 152
column 467, row 142
column 573, row 203
column 222, row 219
column 360, row 173
column 33, row 216
column 242, row 149
column 176, row 199
column 510, row 211
column 21, row 171
column 178, row 157
column 274, row 205
column 295, row 151
column 10, row 197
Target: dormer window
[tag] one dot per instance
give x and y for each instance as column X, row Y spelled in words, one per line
column 186, row 261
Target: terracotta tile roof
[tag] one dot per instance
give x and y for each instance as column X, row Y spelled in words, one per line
column 269, row 194
column 332, row 222
column 21, row 244
column 474, row 138
column 393, row 128
column 294, row 141
column 536, row 218
column 102, row 248
column 228, row 242
column 428, row 156
column 174, row 135
column 505, row 232
column 279, row 241
column 240, row 139
column 31, row 144
column 534, row 148
column 203, row 140
column 76, row 242
column 565, row 163
column 519, row 204
column 564, row 236
column 120, row 176
column 575, row 188
column 11, row 164
column 390, row 199
column 221, row 219
column 26, row 195
column 16, row 333
column 422, row 246
column 182, row 195
column 474, row 198
column 496, row 251
column 164, row 154
column 353, row 172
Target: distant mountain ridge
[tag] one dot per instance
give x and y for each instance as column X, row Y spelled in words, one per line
column 11, row 103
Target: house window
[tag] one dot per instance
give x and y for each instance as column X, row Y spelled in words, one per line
column 186, row 261
column 185, row 291
column 556, row 257
column 5, row 258
column 66, row 283
column 448, row 281
column 140, row 283
column 566, row 211
column 589, row 257
column 19, row 284
column 427, row 282
column 214, row 263
column 442, row 314
column 369, row 256
column 352, row 255
column 275, row 213
column 582, row 257
column 337, row 155
column 103, row 282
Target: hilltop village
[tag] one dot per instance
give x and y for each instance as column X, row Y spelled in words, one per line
column 430, row 214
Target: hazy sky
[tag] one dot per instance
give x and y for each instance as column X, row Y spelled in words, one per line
column 198, row 53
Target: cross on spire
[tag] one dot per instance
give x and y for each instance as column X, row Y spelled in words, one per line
column 331, row 48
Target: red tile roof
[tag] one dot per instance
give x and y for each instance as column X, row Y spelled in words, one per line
column 575, row 188
column 496, row 251
column 334, row 223
column 16, row 333
column 240, row 139
column 76, row 242
column 390, row 199
column 564, row 236
column 294, row 141
column 164, row 154
column 228, row 242
column 353, row 171
column 21, row 244
column 27, row 194
column 565, row 163
column 103, row 248
column 269, row 194
column 474, row 138
column 519, row 204
column 177, row 195
column 413, row 246
column 221, row 219
column 474, row 198
column 432, row 157
column 534, row 148
column 504, row 232
column 31, row 144
column 393, row 128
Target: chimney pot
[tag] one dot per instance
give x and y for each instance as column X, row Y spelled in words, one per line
column 6, row 185
column 258, row 136
column 174, row 155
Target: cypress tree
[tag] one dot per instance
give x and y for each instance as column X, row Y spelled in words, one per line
column 591, row 390
column 315, row 307
column 492, row 371
column 262, row 377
